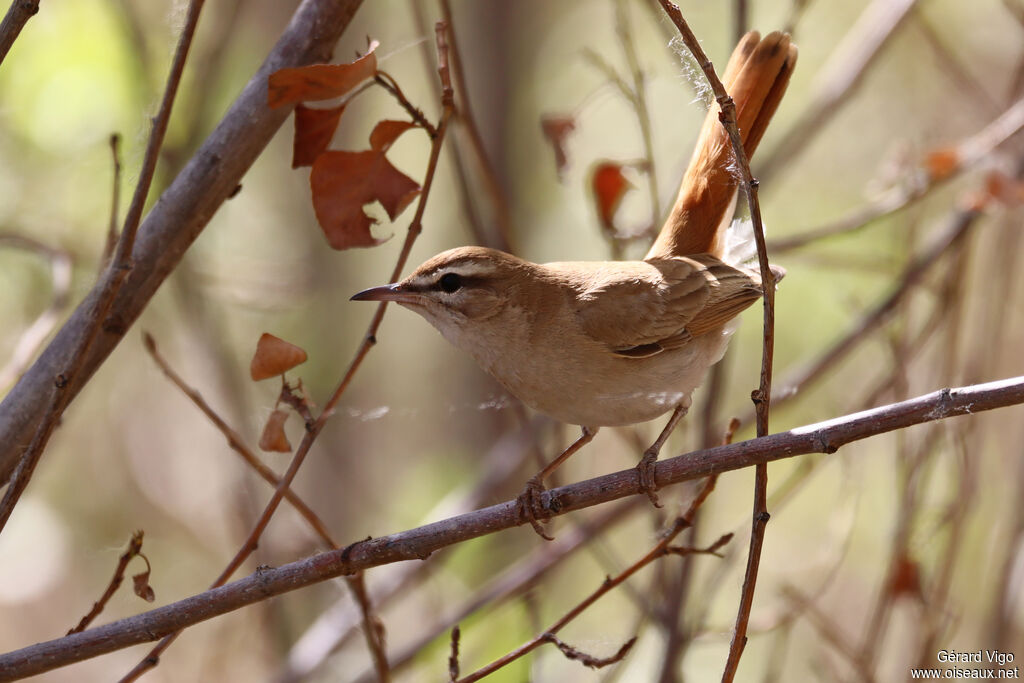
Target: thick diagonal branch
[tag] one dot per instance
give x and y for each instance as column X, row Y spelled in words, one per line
column 176, row 220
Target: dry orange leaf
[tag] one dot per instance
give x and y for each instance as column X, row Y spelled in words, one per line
column 386, row 132
column 319, row 81
column 273, row 438
column 314, row 129
column 556, row 129
column 609, row 186
column 942, row 162
column 344, row 182
column 274, row 356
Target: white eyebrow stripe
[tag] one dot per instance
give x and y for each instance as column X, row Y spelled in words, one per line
column 467, row 269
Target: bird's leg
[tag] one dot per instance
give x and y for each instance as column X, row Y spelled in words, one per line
column 528, row 504
column 645, row 468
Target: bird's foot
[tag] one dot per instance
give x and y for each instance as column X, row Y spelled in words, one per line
column 529, row 507
column 645, row 473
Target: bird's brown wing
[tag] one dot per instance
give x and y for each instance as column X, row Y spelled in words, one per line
column 643, row 308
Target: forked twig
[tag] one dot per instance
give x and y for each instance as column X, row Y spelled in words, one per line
column 825, row 437
column 116, row 275
column 236, row 442
column 762, row 396
column 313, row 431
column 134, row 548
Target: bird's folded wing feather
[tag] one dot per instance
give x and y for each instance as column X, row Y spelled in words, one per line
column 639, row 309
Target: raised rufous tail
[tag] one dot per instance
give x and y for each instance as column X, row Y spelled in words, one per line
column 756, row 77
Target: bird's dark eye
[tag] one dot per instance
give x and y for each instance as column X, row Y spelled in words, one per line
column 450, row 282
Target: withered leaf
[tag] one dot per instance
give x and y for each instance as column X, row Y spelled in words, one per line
column 319, row 81
column 386, row 132
column 274, row 356
column 142, row 588
column 344, row 182
column 942, row 162
column 609, row 186
column 273, row 438
column 314, row 129
column 556, row 129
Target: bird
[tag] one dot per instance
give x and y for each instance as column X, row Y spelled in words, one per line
column 611, row 343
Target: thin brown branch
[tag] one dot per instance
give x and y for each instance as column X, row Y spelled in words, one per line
column 655, row 553
column 311, row 650
column 520, row 576
column 369, row 339
column 453, row 656
column 709, row 550
column 798, row 380
column 967, row 155
column 585, row 659
column 624, row 30
column 237, row 443
column 740, row 19
column 115, row 278
column 115, row 201
column 828, row 630
column 495, row 192
column 762, row 396
column 419, row 543
column 386, row 81
column 373, row 627
column 17, row 16
column 134, row 548
column 175, row 221
column 466, row 193
column 951, row 67
column 32, row 338
column 838, row 79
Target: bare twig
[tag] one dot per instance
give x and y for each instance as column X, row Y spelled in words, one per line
column 967, row 155
column 839, row 78
column 386, row 81
column 313, row 431
column 762, row 396
column 419, row 543
column 586, row 659
column 624, row 30
column 115, row 201
column 17, row 16
column 959, row 226
column 464, row 113
column 740, row 19
column 35, row 334
column 453, row 657
column 953, row 68
column 709, row 550
column 466, row 193
column 828, row 630
column 333, row 628
column 134, row 548
column 373, row 627
column 116, row 274
column 175, row 221
column 520, row 576
column 237, row 444
column 657, row 552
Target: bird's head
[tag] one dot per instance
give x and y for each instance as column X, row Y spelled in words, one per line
column 456, row 287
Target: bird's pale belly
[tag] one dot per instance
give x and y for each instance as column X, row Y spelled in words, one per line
column 563, row 387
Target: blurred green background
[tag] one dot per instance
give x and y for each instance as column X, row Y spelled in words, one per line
column 421, row 423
